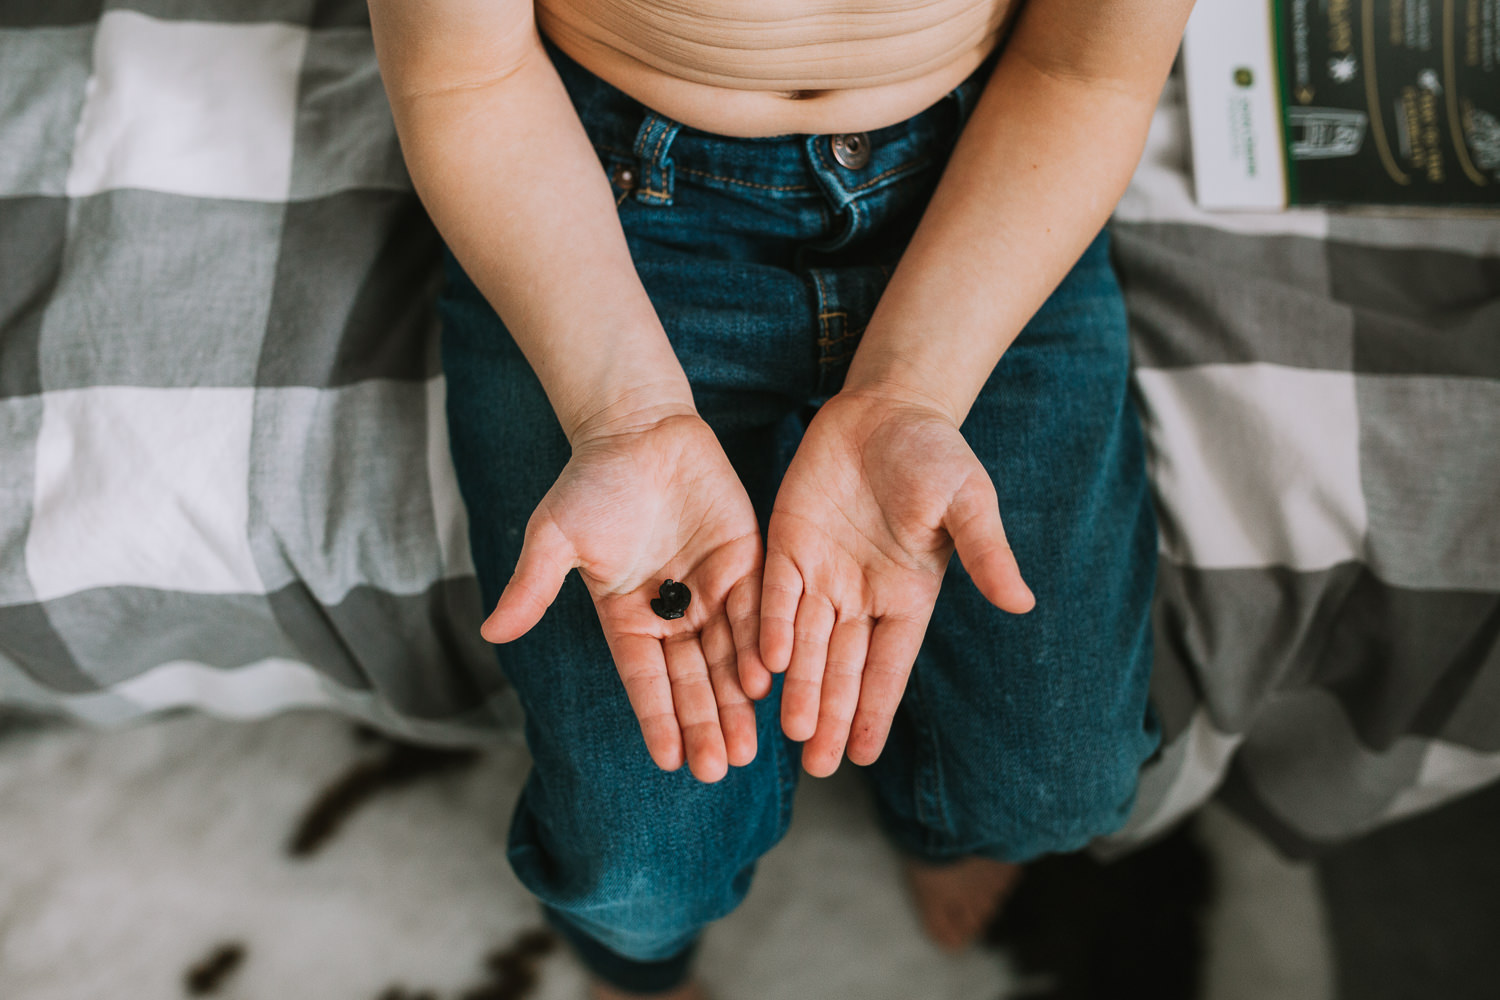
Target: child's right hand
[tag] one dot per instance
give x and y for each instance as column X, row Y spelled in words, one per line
column 638, row 504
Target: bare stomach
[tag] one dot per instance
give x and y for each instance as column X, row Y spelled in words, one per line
column 772, row 67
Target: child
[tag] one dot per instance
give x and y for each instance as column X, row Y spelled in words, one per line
column 689, row 217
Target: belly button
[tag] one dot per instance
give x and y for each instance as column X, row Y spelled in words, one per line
column 802, row 95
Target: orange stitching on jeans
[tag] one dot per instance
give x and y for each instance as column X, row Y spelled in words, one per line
column 920, row 161
column 632, row 154
column 818, row 148
column 652, row 192
column 661, row 137
column 656, row 164
column 753, row 184
column 638, row 146
column 847, row 335
column 824, row 315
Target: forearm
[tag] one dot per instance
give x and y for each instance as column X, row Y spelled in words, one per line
column 1040, row 165
column 509, row 177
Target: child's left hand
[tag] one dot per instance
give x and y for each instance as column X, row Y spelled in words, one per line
column 878, row 496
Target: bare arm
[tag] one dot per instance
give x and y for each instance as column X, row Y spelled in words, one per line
column 1039, row 167
column 501, row 161
column 884, row 488
column 507, row 173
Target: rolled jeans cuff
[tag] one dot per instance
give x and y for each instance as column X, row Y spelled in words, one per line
column 623, row 973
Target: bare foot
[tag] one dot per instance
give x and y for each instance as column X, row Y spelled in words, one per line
column 956, row 901
column 687, row 991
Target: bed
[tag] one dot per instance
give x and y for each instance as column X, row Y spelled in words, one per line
column 224, row 482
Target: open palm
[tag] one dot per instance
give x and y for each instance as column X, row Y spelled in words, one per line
column 629, row 511
column 870, row 511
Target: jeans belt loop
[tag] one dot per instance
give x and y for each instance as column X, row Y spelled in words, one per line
column 653, row 145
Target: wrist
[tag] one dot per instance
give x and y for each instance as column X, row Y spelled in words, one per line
column 638, row 408
column 903, row 388
column 624, row 383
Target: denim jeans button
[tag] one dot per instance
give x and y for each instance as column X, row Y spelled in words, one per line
column 851, row 149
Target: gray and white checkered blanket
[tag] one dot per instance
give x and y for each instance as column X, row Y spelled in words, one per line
column 224, row 481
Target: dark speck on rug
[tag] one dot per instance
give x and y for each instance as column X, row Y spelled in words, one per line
column 206, row 976
column 512, row 970
column 396, row 766
column 402, row 993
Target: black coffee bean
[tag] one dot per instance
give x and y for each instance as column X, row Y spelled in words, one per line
column 673, row 602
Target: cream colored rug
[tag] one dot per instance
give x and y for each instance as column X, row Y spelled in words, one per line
column 153, row 863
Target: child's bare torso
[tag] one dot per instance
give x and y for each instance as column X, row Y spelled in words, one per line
column 769, row 67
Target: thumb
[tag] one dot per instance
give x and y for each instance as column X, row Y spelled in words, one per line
column 973, row 521
column 546, row 558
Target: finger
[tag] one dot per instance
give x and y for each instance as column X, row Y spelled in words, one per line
column 841, row 683
column 697, row 711
column 894, row 642
column 736, row 710
column 643, row 669
column 804, row 675
column 546, row 559
column 973, row 520
column 780, row 594
column 743, row 610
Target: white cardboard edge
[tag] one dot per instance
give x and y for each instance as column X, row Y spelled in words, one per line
column 1238, row 161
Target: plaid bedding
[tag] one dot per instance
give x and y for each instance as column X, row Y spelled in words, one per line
column 1321, row 394
column 224, row 481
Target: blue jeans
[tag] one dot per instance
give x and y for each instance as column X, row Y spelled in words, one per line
column 764, row 258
